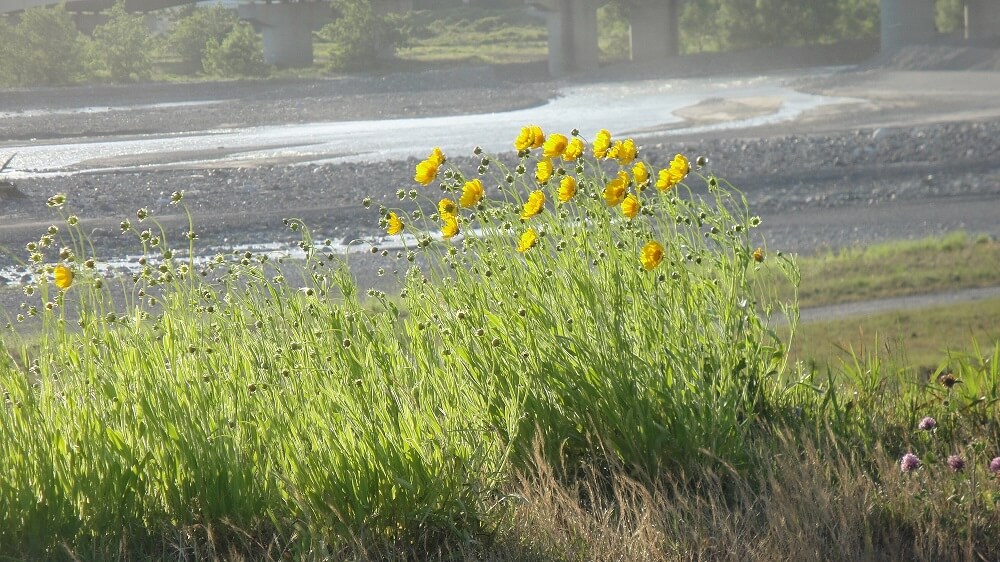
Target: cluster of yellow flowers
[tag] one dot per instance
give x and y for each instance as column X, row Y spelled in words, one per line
column 617, row 192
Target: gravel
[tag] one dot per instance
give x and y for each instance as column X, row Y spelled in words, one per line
column 808, row 187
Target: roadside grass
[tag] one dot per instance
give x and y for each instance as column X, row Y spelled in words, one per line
column 590, row 377
column 925, row 338
column 894, row 269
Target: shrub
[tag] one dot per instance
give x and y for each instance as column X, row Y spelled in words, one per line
column 46, row 48
column 121, row 47
column 613, row 31
column 190, row 35
column 359, row 35
column 241, row 53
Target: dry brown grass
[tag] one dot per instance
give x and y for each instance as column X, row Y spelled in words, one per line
column 812, row 503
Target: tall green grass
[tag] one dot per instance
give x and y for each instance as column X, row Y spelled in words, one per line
column 255, row 408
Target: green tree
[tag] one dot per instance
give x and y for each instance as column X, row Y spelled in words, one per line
column 190, row 34
column 6, row 54
column 121, row 47
column 856, row 19
column 613, row 38
column 241, row 53
column 359, row 35
column 699, row 29
column 46, row 48
column 770, row 23
column 950, row 15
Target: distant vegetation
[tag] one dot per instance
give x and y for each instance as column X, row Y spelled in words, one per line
column 45, row 47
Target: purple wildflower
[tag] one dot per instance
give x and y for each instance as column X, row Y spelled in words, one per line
column 909, row 462
column 927, row 423
column 956, row 463
column 995, row 465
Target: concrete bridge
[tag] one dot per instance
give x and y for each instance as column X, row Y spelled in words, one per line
column 286, row 25
column 655, row 29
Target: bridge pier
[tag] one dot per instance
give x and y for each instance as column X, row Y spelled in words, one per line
column 286, row 29
column 906, row 22
column 984, row 19
column 654, row 29
column 572, row 34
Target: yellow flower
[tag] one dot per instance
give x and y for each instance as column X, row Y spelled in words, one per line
column 527, row 241
column 426, row 172
column 675, row 174
column 530, row 137
column 614, row 192
column 394, row 226
column 567, row 188
column 449, row 226
column 534, row 204
column 63, row 276
column 447, row 207
column 574, row 149
column 602, row 143
column 758, row 255
column 651, row 255
column 554, row 146
column 630, row 206
column 472, row 193
column 625, row 151
column 436, row 156
column 680, row 166
column 641, row 174
column 428, row 168
column 543, row 171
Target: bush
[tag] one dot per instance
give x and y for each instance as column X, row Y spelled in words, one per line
column 359, row 35
column 121, row 47
column 241, row 53
column 613, row 31
column 45, row 48
column 950, row 15
column 190, row 35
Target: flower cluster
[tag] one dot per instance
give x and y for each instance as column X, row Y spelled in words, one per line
column 550, row 162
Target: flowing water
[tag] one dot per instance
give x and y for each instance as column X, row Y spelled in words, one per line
column 636, row 109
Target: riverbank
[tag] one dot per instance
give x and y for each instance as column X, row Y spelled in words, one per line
column 907, row 158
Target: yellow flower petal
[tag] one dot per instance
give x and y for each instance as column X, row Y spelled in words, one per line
column 472, row 193
column 449, row 226
column 574, row 149
column 555, row 146
column 527, row 241
column 63, row 276
column 534, row 204
column 630, row 206
column 567, row 188
column 543, row 171
column 602, row 142
column 393, row 225
column 651, row 255
column 614, row 191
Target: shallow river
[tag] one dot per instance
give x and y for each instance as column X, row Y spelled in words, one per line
column 634, row 108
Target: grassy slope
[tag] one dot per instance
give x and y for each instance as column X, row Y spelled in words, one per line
column 918, row 337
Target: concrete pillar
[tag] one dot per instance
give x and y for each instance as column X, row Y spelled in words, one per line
column 906, row 22
column 572, row 34
column 984, row 19
column 654, row 29
column 287, row 29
